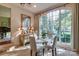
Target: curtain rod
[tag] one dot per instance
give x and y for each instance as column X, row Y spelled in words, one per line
column 51, row 8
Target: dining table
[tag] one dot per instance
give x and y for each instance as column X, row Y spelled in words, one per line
column 43, row 43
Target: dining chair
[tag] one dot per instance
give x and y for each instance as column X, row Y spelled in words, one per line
column 53, row 46
column 34, row 47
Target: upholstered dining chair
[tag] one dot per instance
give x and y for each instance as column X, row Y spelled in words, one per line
column 34, row 47
column 53, row 46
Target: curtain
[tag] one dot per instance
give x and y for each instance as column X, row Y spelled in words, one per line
column 76, row 26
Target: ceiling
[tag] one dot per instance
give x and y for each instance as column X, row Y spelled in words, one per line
column 40, row 6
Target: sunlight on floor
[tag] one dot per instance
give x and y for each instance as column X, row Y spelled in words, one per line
column 60, row 52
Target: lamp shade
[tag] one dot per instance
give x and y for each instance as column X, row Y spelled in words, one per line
column 31, row 29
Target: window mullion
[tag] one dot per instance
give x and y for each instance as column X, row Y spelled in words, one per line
column 59, row 25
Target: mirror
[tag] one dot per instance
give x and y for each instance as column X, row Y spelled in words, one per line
column 5, row 24
column 26, row 22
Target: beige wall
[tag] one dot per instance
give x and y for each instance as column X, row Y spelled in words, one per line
column 16, row 17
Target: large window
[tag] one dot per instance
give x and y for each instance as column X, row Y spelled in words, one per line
column 65, row 26
column 58, row 23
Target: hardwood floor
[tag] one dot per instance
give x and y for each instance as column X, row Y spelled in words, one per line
column 60, row 52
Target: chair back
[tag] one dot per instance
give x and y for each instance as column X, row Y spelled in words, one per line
column 33, row 45
column 54, row 42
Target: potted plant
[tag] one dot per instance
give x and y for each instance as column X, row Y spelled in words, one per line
column 44, row 35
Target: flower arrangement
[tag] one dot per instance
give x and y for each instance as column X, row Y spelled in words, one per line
column 44, row 35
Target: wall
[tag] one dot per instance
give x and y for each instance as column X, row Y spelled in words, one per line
column 16, row 17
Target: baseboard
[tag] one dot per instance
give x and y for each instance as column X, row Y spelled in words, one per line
column 76, row 50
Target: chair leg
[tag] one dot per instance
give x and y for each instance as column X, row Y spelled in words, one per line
column 43, row 51
column 55, row 52
column 31, row 52
column 52, row 52
column 36, row 54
